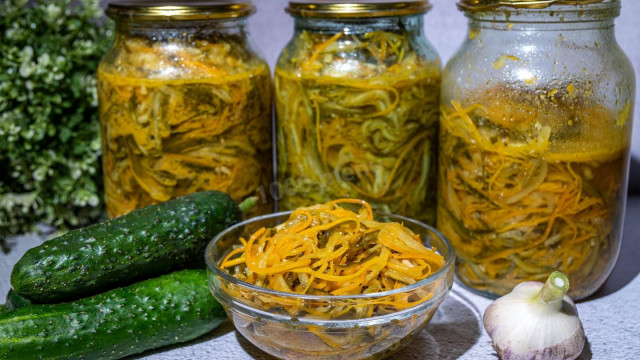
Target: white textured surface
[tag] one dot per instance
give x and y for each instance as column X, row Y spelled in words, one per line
column 611, row 317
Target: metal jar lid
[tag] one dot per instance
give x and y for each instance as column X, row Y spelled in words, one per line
column 357, row 8
column 477, row 5
column 179, row 10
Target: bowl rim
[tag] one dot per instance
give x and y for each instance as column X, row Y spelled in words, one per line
column 446, row 267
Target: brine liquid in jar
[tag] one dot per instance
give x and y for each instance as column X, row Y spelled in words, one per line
column 528, row 187
column 357, row 107
column 535, row 130
column 185, row 106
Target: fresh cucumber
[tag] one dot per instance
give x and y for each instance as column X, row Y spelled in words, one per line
column 15, row 301
column 144, row 243
column 166, row 310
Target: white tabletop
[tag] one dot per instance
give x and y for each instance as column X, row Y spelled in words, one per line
column 611, row 318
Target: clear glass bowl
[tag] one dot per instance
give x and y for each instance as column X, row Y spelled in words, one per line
column 290, row 332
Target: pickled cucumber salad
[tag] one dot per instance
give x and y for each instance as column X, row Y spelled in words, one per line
column 357, row 117
column 183, row 116
column 334, row 249
column 530, row 184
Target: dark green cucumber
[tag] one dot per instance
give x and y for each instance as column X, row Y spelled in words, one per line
column 165, row 310
column 144, row 243
column 15, row 301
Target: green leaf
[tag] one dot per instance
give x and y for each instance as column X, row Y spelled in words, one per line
column 48, row 120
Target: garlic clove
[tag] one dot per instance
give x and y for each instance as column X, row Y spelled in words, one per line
column 536, row 321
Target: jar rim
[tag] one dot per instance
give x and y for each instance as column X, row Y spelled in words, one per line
column 179, row 10
column 484, row 5
column 357, row 8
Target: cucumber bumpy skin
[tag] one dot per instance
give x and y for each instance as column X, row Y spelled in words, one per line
column 144, row 243
column 162, row 311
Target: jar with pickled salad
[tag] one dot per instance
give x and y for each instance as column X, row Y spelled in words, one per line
column 356, row 94
column 185, row 104
column 534, row 144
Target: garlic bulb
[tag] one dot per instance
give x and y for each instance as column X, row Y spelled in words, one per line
column 536, row 321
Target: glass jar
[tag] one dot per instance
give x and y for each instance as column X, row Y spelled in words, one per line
column 534, row 144
column 185, row 104
column 357, row 92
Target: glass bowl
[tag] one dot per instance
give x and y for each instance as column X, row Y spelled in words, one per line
column 297, row 329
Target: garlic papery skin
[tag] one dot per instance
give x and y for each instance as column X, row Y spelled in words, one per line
column 536, row 321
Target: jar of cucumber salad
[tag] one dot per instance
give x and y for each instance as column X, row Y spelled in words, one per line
column 185, row 104
column 534, row 144
column 356, row 93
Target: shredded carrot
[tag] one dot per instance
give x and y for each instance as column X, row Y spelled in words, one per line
column 184, row 116
column 357, row 116
column 318, row 49
column 329, row 249
column 523, row 194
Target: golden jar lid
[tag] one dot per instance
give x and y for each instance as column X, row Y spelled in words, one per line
column 477, row 5
column 179, row 10
column 357, row 8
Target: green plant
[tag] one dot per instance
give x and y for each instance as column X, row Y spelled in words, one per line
column 49, row 132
